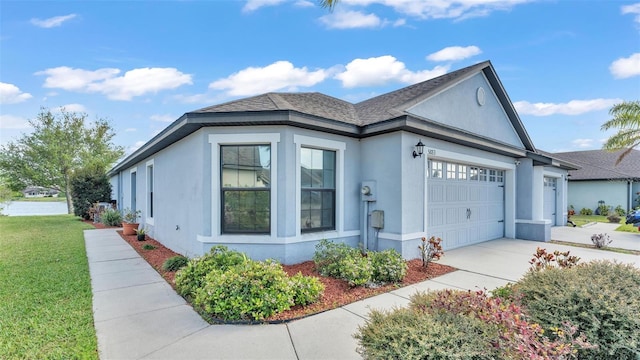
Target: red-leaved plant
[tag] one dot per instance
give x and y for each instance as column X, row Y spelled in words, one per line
column 542, row 259
column 430, row 250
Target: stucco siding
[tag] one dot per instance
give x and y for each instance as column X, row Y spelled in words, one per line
column 586, row 194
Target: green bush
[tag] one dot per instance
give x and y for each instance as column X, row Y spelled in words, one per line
column 253, row 290
column 408, row 334
column 218, row 259
column 174, row 263
column 88, row 188
column 620, row 211
column 306, row 289
column 586, row 211
column 148, row 247
column 388, row 266
column 344, row 262
column 601, row 298
column 111, row 217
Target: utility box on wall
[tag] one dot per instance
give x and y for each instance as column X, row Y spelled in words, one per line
column 377, row 219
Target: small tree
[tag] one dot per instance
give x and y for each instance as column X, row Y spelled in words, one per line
column 87, row 188
column 626, row 118
column 59, row 145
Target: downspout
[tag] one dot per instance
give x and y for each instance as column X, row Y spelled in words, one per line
column 630, row 198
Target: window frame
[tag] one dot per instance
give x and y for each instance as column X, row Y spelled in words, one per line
column 321, row 190
column 224, row 189
column 150, row 183
column 216, row 141
column 339, row 147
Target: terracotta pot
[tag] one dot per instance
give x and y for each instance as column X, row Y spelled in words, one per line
column 129, row 228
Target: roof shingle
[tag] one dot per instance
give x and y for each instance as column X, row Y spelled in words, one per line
column 601, row 164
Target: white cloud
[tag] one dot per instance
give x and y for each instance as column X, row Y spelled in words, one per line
column 573, row 107
column 399, row 22
column 11, row 94
column 162, row 118
column 632, row 9
column 304, row 3
column 350, row 20
column 13, row 122
column 133, row 83
column 74, row 108
column 626, row 67
column 459, row 9
column 582, row 143
column 253, row 5
column 52, row 22
column 454, row 53
column 281, row 75
column 383, row 70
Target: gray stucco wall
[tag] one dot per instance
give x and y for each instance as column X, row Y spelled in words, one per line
column 586, row 194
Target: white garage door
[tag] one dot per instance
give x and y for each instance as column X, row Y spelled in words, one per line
column 550, row 186
column 465, row 203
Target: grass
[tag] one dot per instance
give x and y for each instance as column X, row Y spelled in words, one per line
column 590, row 246
column 41, row 199
column 45, row 289
column 581, row 220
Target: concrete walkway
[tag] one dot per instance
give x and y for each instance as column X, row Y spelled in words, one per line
column 139, row 316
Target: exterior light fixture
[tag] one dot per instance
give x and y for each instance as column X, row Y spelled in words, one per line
column 419, row 149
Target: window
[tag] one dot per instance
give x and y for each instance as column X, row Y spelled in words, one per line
column 149, row 190
column 483, row 174
column 318, row 189
column 500, row 176
column 462, row 172
column 492, row 175
column 473, row 173
column 435, row 169
column 245, row 178
column 451, row 171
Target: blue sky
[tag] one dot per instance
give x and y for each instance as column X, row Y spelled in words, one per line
column 142, row 64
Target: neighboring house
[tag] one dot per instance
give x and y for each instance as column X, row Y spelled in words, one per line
column 272, row 175
column 39, row 191
column 600, row 179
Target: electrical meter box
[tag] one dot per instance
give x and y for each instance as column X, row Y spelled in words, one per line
column 377, row 219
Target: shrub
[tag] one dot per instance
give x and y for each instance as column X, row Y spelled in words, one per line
column 174, row 263
column 407, row 334
column 603, row 210
column 111, row 217
column 306, row 289
column 88, row 188
column 542, row 259
column 252, row 290
column 600, row 240
column 620, row 211
column 148, row 247
column 586, row 211
column 601, row 298
column 218, row 259
column 614, row 218
column 388, row 266
column 341, row 261
column 430, row 250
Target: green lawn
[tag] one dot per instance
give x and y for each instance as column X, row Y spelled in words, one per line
column 585, row 219
column 41, row 199
column 45, row 289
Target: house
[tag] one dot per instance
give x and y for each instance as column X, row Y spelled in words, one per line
column 272, row 175
column 39, row 191
column 600, row 179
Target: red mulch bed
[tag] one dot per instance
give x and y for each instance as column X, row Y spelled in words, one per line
column 337, row 292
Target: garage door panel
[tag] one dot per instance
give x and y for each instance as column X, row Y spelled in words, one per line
column 483, row 196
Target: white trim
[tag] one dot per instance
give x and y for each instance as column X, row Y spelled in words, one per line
column 149, row 164
column 231, row 139
column 265, row 239
column 339, row 147
column 402, row 237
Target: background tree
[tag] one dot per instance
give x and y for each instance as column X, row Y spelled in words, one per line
column 626, row 117
column 60, row 145
column 87, row 188
column 329, row 4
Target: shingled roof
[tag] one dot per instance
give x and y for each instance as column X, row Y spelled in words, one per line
column 601, row 165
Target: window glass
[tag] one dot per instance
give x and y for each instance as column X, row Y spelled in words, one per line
column 451, row 171
column 435, row 169
column 246, row 196
column 492, row 175
column 473, row 173
column 462, row 172
column 150, row 191
column 318, row 190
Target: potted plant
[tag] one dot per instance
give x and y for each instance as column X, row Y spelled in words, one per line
column 130, row 221
column 141, row 232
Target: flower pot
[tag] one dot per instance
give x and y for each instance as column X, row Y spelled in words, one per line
column 141, row 237
column 129, row 228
